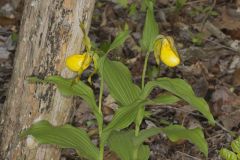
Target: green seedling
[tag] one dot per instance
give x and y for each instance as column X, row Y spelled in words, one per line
column 234, row 153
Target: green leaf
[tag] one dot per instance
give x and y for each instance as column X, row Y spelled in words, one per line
column 150, row 30
column 235, row 144
column 195, row 136
column 122, row 143
column 164, row 99
column 65, row 86
column 119, row 40
column 227, row 154
column 119, row 81
column 65, row 136
column 183, row 90
column 238, row 156
column 145, row 134
column 143, row 152
column 68, row 87
column 123, row 117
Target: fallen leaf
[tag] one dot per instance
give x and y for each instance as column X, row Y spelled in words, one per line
column 236, row 78
column 226, row 105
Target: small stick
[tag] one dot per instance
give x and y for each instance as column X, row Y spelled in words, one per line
column 188, row 155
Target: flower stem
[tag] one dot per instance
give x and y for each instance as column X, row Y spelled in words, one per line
column 145, row 68
column 101, row 148
column 100, row 128
column 100, row 96
column 139, row 120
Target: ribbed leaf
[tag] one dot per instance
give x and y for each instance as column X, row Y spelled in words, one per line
column 164, row 99
column 68, row 87
column 119, row 40
column 143, row 152
column 195, row 136
column 145, row 134
column 65, row 136
column 122, row 144
column 227, row 154
column 64, row 85
column 235, row 144
column 150, row 30
column 183, row 90
column 123, row 117
column 119, row 81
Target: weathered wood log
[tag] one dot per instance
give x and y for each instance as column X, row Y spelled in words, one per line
column 50, row 31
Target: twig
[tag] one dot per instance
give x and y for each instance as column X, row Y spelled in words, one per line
column 221, row 46
column 188, row 155
column 221, row 36
column 197, row 1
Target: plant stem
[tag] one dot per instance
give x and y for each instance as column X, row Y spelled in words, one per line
column 135, row 151
column 100, row 96
column 101, row 149
column 137, row 130
column 145, row 68
column 100, row 128
column 137, row 125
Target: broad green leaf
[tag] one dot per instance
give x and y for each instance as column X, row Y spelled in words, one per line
column 150, row 30
column 164, row 99
column 64, row 85
column 65, row 136
column 123, row 117
column 145, row 134
column 195, row 136
column 227, row 154
column 122, row 143
column 143, row 152
column 235, row 144
column 119, row 40
column 183, row 90
column 119, row 81
column 68, row 87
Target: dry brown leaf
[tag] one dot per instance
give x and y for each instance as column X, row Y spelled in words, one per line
column 236, row 78
column 5, row 21
column 225, row 21
column 226, row 107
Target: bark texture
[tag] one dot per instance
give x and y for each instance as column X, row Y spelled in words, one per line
column 49, row 33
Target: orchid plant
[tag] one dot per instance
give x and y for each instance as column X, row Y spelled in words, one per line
column 132, row 100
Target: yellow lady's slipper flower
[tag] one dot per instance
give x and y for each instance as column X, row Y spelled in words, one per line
column 78, row 62
column 165, row 50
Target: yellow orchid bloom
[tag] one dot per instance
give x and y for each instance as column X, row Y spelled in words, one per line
column 165, row 50
column 78, row 62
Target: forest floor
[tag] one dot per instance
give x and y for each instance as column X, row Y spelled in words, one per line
column 207, row 35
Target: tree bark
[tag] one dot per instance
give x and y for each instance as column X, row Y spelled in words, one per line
column 50, row 31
